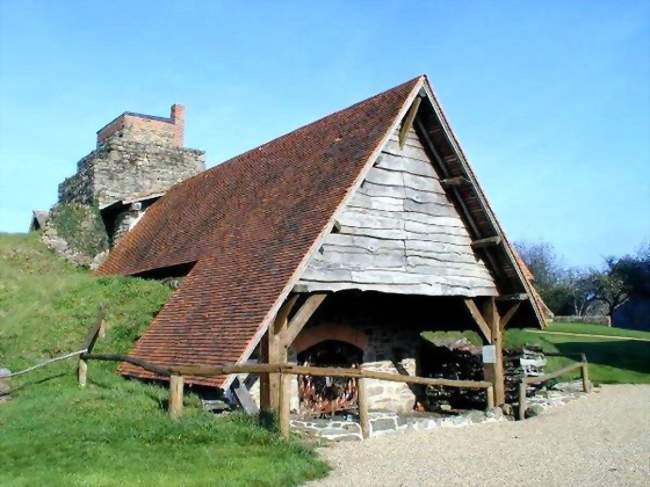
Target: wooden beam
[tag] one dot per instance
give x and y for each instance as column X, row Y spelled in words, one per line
column 491, row 315
column 486, row 242
column 362, row 402
column 285, row 404
column 478, row 318
column 505, row 319
column 300, row 319
column 513, row 297
column 82, row 372
column 283, row 313
column 175, row 396
column 276, row 352
column 408, row 121
column 454, row 182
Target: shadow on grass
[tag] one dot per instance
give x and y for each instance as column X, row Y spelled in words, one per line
column 629, row 354
column 41, row 380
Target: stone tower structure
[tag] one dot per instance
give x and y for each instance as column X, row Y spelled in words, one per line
column 137, row 159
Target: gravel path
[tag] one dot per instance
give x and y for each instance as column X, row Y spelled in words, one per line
column 600, row 440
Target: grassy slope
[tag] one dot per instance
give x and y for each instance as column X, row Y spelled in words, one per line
column 611, row 361
column 115, row 432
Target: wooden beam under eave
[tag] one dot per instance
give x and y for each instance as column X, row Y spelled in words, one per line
column 454, row 182
column 486, row 242
column 300, row 319
column 478, row 318
column 513, row 297
column 505, row 319
column 408, row 121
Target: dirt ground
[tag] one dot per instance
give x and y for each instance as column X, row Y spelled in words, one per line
column 599, row 440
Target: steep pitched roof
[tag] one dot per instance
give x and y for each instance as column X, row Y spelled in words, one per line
column 249, row 226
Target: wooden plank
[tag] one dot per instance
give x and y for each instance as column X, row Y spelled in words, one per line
column 300, row 319
column 409, row 149
column 426, row 289
column 387, row 376
column 486, row 242
column 92, row 335
column 505, row 319
column 586, row 385
column 393, row 162
column 512, row 297
column 82, row 372
column 489, row 394
column 546, row 377
column 407, row 123
column 175, row 396
column 478, row 319
column 522, row 401
column 455, row 182
column 245, row 399
column 362, row 400
column 492, row 318
column 285, row 398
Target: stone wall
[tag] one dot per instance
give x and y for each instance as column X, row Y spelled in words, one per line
column 121, row 169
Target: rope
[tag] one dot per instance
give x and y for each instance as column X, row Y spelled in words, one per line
column 43, row 364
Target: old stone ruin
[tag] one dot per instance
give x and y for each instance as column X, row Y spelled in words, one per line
column 137, row 159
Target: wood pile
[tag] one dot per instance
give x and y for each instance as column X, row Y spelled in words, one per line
column 460, row 360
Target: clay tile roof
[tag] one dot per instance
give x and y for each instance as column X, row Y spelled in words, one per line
column 249, row 224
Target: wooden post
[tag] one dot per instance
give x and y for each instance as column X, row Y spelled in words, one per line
column 82, row 372
column 362, row 400
column 276, row 352
column 493, row 319
column 285, row 404
column 586, row 385
column 489, row 392
column 175, row 396
column 522, row 400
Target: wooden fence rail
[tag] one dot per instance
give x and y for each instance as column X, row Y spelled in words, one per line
column 285, row 371
column 583, row 365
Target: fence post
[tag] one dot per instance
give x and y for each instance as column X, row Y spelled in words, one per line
column 586, row 385
column 362, row 400
column 175, row 396
column 285, row 404
column 82, row 372
column 522, row 400
column 489, row 393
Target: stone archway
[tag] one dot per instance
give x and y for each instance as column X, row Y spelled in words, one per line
column 329, row 331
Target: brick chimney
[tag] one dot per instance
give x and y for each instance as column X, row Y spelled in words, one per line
column 178, row 118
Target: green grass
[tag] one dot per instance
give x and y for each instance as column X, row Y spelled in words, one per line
column 611, row 361
column 590, row 329
column 115, row 431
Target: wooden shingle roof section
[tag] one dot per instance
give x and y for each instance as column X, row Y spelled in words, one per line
column 249, row 226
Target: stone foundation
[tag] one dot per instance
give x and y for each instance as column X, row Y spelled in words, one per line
column 385, row 423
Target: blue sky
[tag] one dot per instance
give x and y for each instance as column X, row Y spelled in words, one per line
column 551, row 100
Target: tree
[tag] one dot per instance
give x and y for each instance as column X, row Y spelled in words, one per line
column 622, row 278
column 550, row 276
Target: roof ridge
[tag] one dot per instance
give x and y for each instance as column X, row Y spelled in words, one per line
column 302, row 127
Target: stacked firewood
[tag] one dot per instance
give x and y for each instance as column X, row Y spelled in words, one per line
column 528, row 361
column 461, row 360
